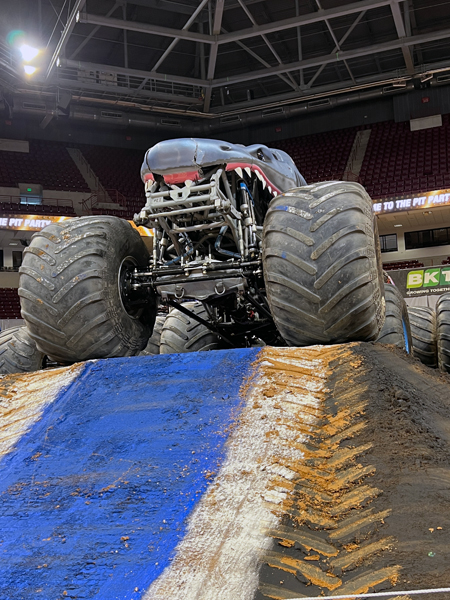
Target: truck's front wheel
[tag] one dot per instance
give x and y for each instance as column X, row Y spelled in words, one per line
column 322, row 265
column 75, row 290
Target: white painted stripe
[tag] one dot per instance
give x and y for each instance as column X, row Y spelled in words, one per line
column 25, row 401
column 219, row 556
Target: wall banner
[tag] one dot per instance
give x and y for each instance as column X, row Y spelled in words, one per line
column 405, row 203
column 422, row 282
column 38, row 222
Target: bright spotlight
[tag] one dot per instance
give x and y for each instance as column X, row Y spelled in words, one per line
column 28, row 52
column 29, row 70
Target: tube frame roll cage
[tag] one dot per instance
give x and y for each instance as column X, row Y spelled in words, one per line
column 207, row 247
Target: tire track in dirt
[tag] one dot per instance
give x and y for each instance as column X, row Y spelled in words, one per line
column 330, row 537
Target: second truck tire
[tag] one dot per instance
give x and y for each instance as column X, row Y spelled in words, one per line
column 322, row 265
column 396, row 329
column 443, row 332
column 75, row 290
column 181, row 333
column 423, row 330
column 153, row 343
column 18, row 352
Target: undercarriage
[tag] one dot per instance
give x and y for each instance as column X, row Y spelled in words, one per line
column 207, row 247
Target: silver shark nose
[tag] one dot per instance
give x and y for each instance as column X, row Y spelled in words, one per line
column 181, row 152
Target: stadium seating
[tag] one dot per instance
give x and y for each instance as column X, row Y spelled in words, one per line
column 9, row 304
column 320, row 157
column 48, row 164
column 396, row 162
column 118, row 169
column 399, row 161
column 38, row 209
column 402, row 264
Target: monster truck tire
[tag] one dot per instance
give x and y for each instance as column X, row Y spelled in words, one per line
column 423, row 331
column 75, row 294
column 443, row 332
column 396, row 329
column 181, row 333
column 18, row 352
column 322, row 265
column 153, row 343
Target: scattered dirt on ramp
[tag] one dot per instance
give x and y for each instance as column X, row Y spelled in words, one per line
column 370, row 508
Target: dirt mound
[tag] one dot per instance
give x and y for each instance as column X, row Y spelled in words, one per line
column 370, row 510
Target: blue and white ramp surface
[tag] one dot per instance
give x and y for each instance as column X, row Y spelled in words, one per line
column 161, row 477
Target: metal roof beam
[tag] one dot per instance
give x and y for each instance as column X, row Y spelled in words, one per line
column 401, row 32
column 174, row 42
column 332, row 58
column 75, row 64
column 145, row 28
column 218, row 14
column 321, row 91
column 66, row 33
column 263, row 62
column 168, row 5
column 320, row 15
column 241, row 34
column 268, row 44
column 336, row 48
column 93, row 32
column 123, row 92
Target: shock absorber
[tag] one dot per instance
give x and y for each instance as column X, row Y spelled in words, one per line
column 249, row 217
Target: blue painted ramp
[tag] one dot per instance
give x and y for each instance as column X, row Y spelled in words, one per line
column 203, row 476
column 96, row 495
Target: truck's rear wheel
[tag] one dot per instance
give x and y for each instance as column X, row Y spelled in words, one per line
column 75, row 290
column 18, row 352
column 322, row 265
column 423, row 331
column 396, row 329
column 181, row 333
column 154, row 342
column 443, row 332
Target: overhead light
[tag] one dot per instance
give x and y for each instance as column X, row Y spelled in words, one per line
column 13, row 243
column 398, row 225
column 28, row 52
column 29, row 70
column 427, row 212
column 401, row 83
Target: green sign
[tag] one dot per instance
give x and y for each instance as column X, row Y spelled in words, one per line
column 428, row 278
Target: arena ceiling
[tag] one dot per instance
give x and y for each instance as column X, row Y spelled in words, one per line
column 217, row 58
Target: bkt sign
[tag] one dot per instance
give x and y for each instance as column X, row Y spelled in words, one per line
column 427, row 278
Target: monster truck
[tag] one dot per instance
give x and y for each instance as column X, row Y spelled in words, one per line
column 244, row 252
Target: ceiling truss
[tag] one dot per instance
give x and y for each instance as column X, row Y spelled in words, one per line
column 275, row 51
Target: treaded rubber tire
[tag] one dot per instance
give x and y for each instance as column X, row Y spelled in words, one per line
column 184, row 334
column 322, row 265
column 69, row 290
column 423, row 331
column 396, row 329
column 18, row 352
column 443, row 332
column 153, row 343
